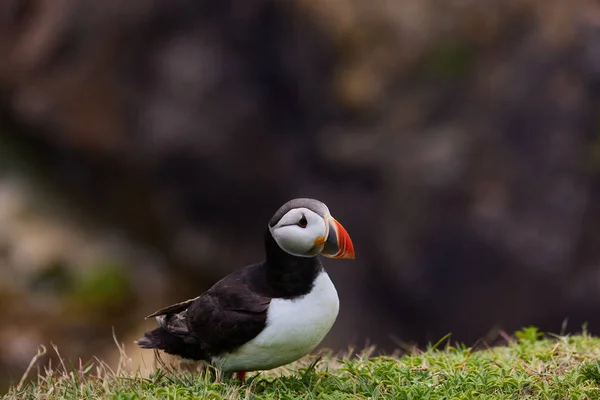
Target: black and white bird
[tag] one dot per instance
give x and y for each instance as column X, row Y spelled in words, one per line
column 266, row 314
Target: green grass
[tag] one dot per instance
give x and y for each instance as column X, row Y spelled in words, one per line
column 564, row 367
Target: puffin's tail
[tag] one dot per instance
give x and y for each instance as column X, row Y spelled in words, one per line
column 162, row 339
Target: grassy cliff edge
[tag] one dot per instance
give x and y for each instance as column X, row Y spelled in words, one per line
column 553, row 367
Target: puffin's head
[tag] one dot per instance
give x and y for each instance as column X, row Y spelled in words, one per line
column 304, row 227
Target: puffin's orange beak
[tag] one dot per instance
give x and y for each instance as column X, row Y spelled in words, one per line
column 338, row 243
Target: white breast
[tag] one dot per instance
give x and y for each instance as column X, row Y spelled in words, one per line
column 294, row 328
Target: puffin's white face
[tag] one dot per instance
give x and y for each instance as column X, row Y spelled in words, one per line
column 304, row 233
column 298, row 232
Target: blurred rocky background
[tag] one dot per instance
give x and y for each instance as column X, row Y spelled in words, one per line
column 145, row 144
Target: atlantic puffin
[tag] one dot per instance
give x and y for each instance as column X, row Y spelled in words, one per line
column 267, row 314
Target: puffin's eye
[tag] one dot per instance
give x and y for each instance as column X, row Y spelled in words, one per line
column 303, row 222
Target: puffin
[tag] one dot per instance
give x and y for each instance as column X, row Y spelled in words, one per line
column 267, row 314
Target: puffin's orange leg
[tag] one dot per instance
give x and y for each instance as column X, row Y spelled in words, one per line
column 241, row 375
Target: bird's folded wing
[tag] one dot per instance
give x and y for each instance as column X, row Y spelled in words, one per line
column 173, row 309
column 175, row 323
column 226, row 318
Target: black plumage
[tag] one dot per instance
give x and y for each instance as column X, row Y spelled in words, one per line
column 234, row 310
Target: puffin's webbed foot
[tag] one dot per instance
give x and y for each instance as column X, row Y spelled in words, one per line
column 241, row 376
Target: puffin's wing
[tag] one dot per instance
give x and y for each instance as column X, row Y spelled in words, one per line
column 173, row 309
column 227, row 316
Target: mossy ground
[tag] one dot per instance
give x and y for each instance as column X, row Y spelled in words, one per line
column 555, row 367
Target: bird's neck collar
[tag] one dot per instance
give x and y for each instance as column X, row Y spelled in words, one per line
column 289, row 275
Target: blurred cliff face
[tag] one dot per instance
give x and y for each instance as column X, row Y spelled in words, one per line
column 458, row 144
